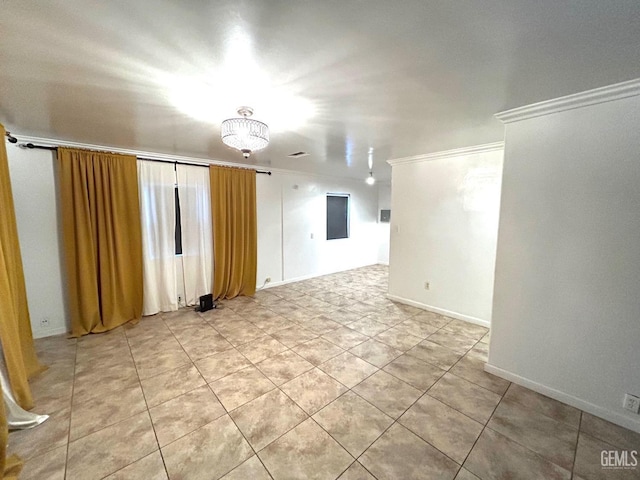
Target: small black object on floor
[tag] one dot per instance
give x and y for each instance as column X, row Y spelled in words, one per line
column 206, row 303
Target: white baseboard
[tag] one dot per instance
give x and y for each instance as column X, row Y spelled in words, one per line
column 307, row 277
column 441, row 311
column 563, row 397
column 49, row 332
column 284, row 282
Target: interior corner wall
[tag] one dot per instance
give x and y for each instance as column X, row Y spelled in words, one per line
column 292, row 237
column 36, row 203
column 566, row 313
column 384, row 230
column 444, row 224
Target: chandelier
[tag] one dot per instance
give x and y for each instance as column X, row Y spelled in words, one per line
column 244, row 133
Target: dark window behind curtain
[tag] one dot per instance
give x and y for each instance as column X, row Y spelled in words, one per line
column 178, row 229
column 337, row 216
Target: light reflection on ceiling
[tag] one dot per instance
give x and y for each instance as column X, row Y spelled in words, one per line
column 334, row 79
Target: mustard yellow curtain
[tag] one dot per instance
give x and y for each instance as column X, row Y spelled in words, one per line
column 102, row 239
column 15, row 325
column 235, row 231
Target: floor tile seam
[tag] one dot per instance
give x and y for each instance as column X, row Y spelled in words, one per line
column 484, row 427
column 365, row 468
column 134, row 461
column 471, row 381
column 69, row 440
column 118, row 388
column 246, row 401
column 444, row 346
column 335, row 440
column 346, row 349
column 144, row 396
column 298, row 405
column 176, row 339
column 463, row 334
column 598, row 439
column 447, row 370
column 460, row 411
column 474, row 383
column 200, row 428
column 306, row 417
column 164, row 372
column 255, row 452
column 160, row 447
column 197, row 359
column 75, row 364
column 364, row 360
column 292, row 378
column 324, row 361
column 347, row 386
column 575, row 453
column 423, row 392
column 141, row 458
column 393, row 420
column 205, row 384
column 390, row 361
column 254, row 455
column 103, row 425
column 154, row 355
column 538, row 412
column 517, row 442
column 429, row 443
column 397, row 420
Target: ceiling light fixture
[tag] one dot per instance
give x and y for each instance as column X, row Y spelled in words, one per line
column 370, row 180
column 245, row 134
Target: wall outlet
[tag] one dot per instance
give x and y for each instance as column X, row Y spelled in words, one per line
column 44, row 323
column 267, row 280
column 631, row 403
column 427, row 285
column 179, row 299
column 312, row 236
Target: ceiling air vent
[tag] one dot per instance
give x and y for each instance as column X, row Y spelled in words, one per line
column 298, row 154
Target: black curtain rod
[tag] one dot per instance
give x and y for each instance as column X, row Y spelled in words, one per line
column 174, row 162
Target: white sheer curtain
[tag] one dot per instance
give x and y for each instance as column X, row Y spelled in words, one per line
column 157, row 208
column 197, row 241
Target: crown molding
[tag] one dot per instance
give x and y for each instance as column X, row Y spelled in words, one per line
column 458, row 152
column 570, row 102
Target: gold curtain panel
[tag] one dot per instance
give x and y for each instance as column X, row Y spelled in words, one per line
column 15, row 324
column 235, row 238
column 102, row 239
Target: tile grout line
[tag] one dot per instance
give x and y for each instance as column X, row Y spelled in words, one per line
column 575, row 453
column 155, row 434
column 73, row 386
column 301, row 324
column 484, row 427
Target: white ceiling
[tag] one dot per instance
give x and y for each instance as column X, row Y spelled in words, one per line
column 335, row 78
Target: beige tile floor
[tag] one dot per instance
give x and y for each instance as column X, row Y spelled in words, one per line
column 320, row 379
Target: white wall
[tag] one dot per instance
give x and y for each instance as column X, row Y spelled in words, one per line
column 287, row 216
column 444, row 223
column 292, row 210
column 384, row 230
column 36, row 204
column 566, row 314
